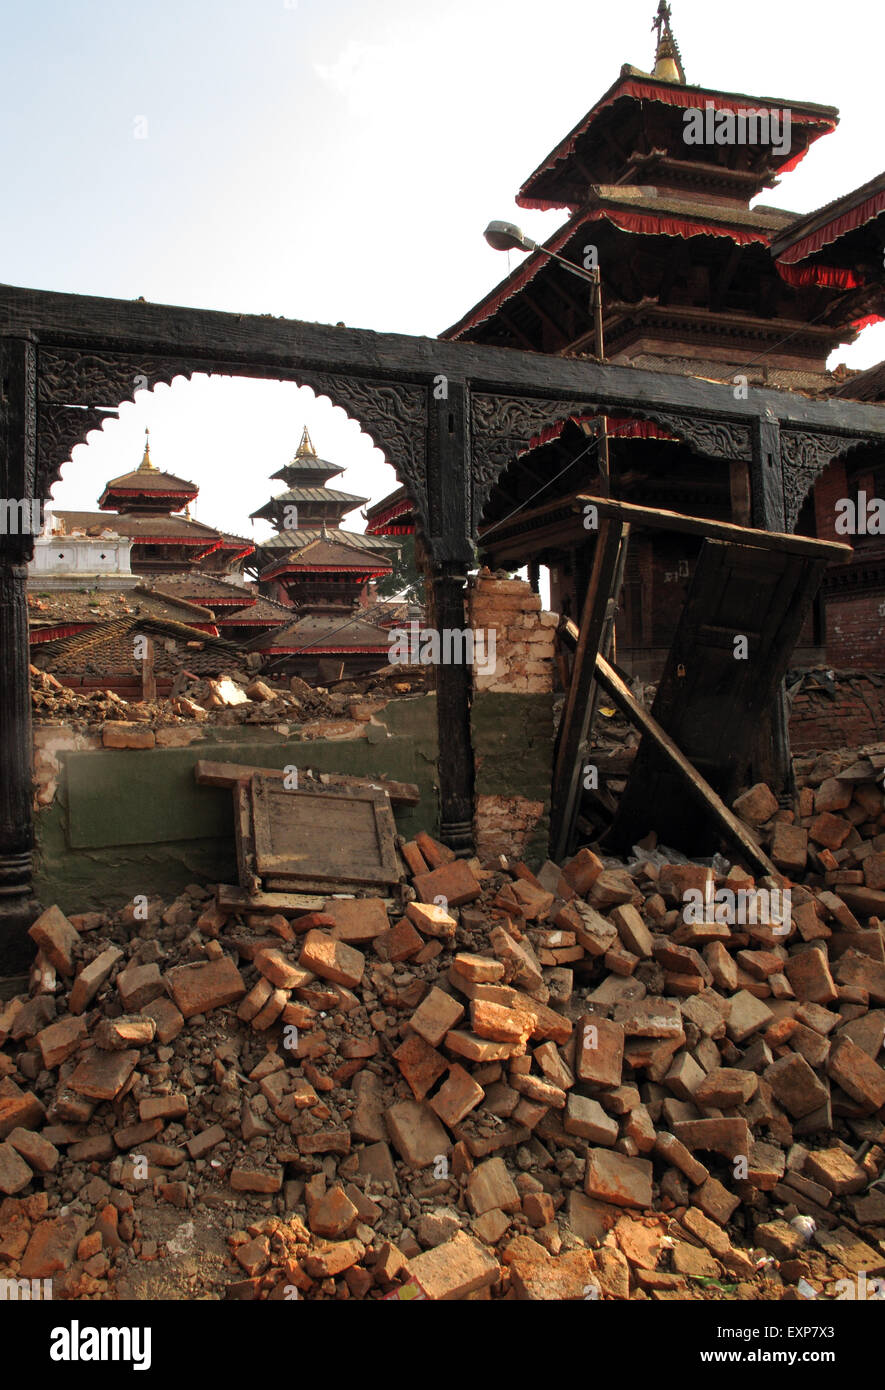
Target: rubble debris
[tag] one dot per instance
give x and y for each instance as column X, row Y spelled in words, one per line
column 631, row 1077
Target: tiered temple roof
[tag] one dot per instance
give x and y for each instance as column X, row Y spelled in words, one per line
column 693, row 279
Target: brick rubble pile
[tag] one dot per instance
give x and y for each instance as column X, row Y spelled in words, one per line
column 551, row 1086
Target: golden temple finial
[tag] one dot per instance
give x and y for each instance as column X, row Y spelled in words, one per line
column 668, row 62
column 146, row 466
column 305, row 448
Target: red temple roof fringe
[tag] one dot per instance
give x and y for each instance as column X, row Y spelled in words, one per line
column 832, row 231
column 821, row 276
column 686, row 97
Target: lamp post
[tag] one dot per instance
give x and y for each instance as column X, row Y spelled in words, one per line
column 506, row 236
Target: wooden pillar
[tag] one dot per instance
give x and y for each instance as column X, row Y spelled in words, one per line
column 18, row 442
column 771, row 755
column 535, row 576
column 453, row 690
column 449, row 480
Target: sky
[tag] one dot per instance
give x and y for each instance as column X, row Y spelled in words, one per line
column 337, row 162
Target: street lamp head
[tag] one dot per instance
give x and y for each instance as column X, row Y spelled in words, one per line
column 505, row 236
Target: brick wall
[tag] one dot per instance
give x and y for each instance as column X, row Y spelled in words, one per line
column 855, row 717
column 856, row 630
column 523, row 635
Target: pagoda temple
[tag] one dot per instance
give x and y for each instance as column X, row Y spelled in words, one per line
column 322, row 571
column 138, row 555
column 657, row 181
column 311, row 559
column 146, row 506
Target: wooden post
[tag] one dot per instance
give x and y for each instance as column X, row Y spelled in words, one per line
column 453, row 690
column 576, row 717
column 18, row 442
column 148, row 676
column 449, row 479
column 771, row 761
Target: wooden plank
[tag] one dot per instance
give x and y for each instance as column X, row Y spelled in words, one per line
column 699, row 789
column 575, row 723
column 239, row 899
column 659, row 519
column 216, row 774
column 244, row 837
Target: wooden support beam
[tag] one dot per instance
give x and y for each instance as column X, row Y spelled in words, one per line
column 653, row 518
column 576, row 716
column 212, row 774
column 732, row 829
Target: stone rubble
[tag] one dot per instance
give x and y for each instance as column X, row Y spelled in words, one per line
column 529, row 1086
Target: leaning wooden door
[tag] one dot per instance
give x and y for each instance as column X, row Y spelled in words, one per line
column 742, row 617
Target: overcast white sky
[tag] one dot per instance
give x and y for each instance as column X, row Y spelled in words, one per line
column 335, row 161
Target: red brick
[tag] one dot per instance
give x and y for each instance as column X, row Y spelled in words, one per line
column 56, row 938
column 457, row 1096
column 60, row 1040
column 332, row 960
column 102, row 1075
column 417, row 1134
column 857, row 1074
column 795, row 1085
column 809, row 974
column 91, row 978
column 615, row 1178
column 402, row 941
column 601, row 1063
column 420, row 1064
column 456, row 1268
column 454, row 882
column 356, row 920
column 437, row 1013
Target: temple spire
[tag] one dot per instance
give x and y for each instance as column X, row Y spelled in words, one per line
column 146, row 466
column 305, row 448
column 668, row 62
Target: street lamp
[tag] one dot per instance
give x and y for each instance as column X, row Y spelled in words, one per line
column 506, row 236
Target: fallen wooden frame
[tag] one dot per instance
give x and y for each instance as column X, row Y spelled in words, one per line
column 310, row 839
column 732, row 828
column 563, row 523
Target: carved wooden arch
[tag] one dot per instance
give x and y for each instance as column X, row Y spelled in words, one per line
column 77, row 391
column 504, row 426
column 805, row 456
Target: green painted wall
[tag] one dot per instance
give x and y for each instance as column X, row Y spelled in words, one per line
column 513, row 748
column 135, row 821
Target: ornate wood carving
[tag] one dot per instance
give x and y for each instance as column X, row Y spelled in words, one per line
column 503, row 426
column 393, row 414
column 68, row 377
column 60, row 428
column 805, row 456
column 716, row 439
